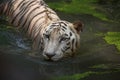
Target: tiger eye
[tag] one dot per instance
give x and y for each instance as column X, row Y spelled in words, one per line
column 46, row 36
column 70, row 34
column 64, row 39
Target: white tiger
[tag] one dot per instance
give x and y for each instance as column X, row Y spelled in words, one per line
column 57, row 38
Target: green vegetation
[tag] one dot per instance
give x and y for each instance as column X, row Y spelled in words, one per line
column 112, row 9
column 3, row 28
column 107, row 66
column 74, row 77
column 100, row 34
column 84, row 75
column 113, row 38
column 4, row 25
column 100, row 66
column 79, row 7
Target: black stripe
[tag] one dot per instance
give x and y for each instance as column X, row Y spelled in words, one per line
column 16, row 7
column 62, row 50
column 53, row 25
column 20, row 20
column 70, row 34
column 33, row 32
column 24, row 12
column 66, row 34
column 73, row 44
column 33, row 18
column 63, row 23
column 26, row 6
column 23, row 25
column 34, row 24
column 36, row 16
column 8, row 8
column 68, row 43
column 64, row 27
column 67, row 48
column 12, row 21
column 5, row 8
column 21, row 3
column 19, row 14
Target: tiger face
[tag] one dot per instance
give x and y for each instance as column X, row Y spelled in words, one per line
column 61, row 38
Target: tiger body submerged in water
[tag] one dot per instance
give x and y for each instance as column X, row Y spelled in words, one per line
column 57, row 38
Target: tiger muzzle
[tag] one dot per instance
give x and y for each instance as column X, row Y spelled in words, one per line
column 49, row 55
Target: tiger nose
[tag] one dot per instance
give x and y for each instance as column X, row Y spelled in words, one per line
column 49, row 55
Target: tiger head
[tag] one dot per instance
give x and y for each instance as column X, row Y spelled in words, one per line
column 61, row 38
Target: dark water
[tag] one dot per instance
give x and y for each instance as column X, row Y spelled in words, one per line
column 19, row 62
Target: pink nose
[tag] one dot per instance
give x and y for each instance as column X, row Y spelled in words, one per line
column 49, row 55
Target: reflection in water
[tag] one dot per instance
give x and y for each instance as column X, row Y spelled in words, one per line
column 16, row 39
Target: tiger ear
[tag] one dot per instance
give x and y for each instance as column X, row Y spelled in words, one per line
column 78, row 25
